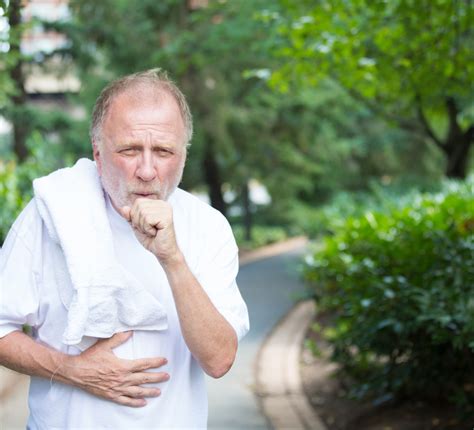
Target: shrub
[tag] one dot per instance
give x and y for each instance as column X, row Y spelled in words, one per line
column 399, row 286
column 16, row 179
column 324, row 219
column 10, row 197
column 261, row 235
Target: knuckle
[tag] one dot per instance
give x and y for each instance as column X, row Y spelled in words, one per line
column 138, row 394
column 110, row 396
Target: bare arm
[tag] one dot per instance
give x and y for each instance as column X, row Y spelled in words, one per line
column 208, row 335
column 96, row 370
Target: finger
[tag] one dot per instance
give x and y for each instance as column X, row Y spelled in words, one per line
column 142, row 364
column 146, row 216
column 142, row 378
column 135, row 212
column 150, row 230
column 118, row 339
column 143, row 221
column 141, row 392
column 125, row 212
column 129, row 401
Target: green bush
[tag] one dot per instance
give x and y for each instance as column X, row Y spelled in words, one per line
column 399, row 287
column 261, row 235
column 322, row 220
column 16, row 179
column 11, row 201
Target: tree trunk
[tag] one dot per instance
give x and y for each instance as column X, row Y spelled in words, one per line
column 213, row 179
column 457, row 154
column 457, row 144
column 19, row 124
column 247, row 211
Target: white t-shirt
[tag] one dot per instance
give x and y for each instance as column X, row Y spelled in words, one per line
column 29, row 295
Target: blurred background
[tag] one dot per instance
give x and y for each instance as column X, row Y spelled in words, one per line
column 348, row 121
column 298, row 105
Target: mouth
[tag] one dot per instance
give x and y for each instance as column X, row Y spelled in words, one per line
column 146, row 195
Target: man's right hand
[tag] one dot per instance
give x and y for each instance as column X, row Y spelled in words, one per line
column 100, row 372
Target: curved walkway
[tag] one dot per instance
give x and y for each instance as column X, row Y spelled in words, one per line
column 270, row 287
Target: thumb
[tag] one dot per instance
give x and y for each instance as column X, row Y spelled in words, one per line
column 125, row 211
column 118, row 338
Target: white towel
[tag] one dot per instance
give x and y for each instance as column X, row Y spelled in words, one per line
column 105, row 298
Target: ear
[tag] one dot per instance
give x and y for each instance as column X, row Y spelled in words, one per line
column 96, row 154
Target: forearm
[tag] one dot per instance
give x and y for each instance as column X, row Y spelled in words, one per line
column 208, row 335
column 21, row 353
column 97, row 370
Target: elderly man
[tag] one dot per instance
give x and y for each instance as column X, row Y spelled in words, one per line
column 144, row 370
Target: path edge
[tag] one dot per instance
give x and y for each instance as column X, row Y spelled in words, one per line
column 267, row 251
column 278, row 379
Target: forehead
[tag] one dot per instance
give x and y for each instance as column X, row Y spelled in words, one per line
column 141, row 110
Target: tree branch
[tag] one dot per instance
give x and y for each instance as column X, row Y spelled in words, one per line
column 424, row 122
column 404, row 123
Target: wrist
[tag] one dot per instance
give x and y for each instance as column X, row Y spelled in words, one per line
column 173, row 261
column 66, row 371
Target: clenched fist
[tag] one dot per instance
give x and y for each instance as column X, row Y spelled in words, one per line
column 152, row 222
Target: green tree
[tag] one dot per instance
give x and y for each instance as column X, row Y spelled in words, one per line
column 208, row 51
column 6, row 85
column 301, row 145
column 409, row 61
column 13, row 79
column 26, row 119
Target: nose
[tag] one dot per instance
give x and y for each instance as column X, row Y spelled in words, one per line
column 146, row 170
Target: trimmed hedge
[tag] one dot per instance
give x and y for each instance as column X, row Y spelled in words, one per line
column 399, row 287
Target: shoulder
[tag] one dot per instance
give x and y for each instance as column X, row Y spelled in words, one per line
column 199, row 227
column 28, row 222
column 25, row 231
column 191, row 207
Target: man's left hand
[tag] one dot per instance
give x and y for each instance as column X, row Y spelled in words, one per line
column 152, row 222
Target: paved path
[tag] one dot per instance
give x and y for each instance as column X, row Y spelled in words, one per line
column 13, row 400
column 270, row 288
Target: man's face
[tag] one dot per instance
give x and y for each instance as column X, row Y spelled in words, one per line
column 142, row 153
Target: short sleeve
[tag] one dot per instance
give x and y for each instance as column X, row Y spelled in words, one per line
column 19, row 302
column 217, row 274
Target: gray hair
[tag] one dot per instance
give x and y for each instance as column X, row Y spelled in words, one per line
column 155, row 78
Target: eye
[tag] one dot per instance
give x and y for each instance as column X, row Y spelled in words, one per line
column 163, row 152
column 129, row 151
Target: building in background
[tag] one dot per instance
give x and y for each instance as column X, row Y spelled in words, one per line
column 38, row 42
column 45, row 87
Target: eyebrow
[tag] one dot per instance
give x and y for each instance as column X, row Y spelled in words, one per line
column 139, row 146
